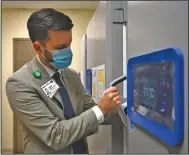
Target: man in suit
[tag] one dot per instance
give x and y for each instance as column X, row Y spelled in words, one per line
column 58, row 121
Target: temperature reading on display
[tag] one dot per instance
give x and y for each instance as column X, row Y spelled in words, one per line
column 148, row 92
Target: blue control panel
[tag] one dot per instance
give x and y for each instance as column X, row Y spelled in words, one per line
column 156, row 94
column 89, row 81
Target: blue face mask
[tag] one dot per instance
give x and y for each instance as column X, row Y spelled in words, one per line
column 62, row 58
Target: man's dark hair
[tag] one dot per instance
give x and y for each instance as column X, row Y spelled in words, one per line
column 41, row 21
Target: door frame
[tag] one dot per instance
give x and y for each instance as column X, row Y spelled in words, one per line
column 14, row 116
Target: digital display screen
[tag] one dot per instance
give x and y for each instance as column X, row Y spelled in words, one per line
column 154, row 92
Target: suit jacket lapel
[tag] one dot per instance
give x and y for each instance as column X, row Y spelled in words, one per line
column 35, row 65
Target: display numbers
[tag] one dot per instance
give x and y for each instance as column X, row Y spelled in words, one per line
column 148, row 92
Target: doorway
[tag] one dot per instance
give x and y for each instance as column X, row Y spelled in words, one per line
column 23, row 52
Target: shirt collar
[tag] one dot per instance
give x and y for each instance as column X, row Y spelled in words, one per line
column 49, row 71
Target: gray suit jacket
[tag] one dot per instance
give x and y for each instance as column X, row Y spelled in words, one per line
column 42, row 118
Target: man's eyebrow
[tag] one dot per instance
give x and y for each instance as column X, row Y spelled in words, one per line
column 60, row 46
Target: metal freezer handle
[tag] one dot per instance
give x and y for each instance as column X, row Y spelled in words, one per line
column 123, row 106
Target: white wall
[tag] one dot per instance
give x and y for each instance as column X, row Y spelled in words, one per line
column 14, row 26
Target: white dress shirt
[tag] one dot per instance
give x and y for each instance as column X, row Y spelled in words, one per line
column 96, row 109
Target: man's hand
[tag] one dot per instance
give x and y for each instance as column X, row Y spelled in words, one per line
column 110, row 101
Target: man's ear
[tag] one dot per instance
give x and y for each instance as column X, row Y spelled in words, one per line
column 37, row 47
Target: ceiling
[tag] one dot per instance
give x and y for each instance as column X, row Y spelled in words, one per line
column 51, row 4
